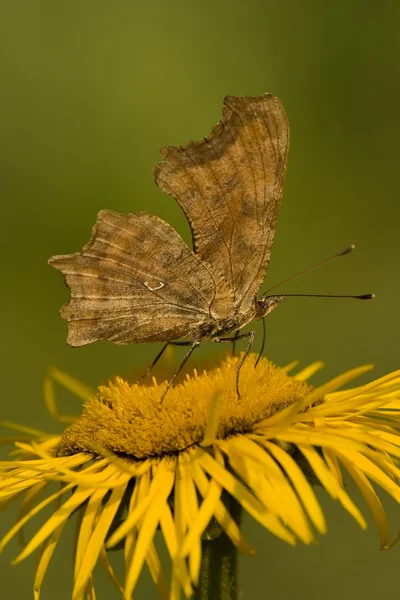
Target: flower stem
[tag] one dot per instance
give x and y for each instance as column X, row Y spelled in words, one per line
column 218, row 570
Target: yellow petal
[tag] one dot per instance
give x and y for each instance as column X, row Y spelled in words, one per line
column 146, row 533
column 333, row 464
column 309, row 371
column 371, row 441
column 375, row 473
column 220, row 512
column 157, row 573
column 94, row 475
column 212, row 420
column 189, row 504
column 28, row 502
column 87, row 522
column 375, row 505
column 300, row 484
column 29, row 431
column 139, row 492
column 90, row 592
column 59, row 517
column 290, row 366
column 51, row 404
column 105, row 563
column 331, row 485
column 139, row 510
column 206, row 511
column 353, row 405
column 269, row 484
column 15, row 485
column 287, row 415
column 384, row 381
column 324, row 437
column 73, row 385
column 244, row 497
column 179, row 509
column 124, row 465
column 180, row 575
column 39, row 466
column 97, row 538
column 46, row 553
column 181, row 522
column 34, row 511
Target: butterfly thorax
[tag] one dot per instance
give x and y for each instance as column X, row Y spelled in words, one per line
column 216, row 328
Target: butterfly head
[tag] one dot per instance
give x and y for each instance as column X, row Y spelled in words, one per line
column 266, row 305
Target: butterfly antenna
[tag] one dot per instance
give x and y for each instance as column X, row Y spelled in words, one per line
column 319, row 264
column 360, row 297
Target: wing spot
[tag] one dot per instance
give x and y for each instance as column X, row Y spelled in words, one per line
column 153, row 289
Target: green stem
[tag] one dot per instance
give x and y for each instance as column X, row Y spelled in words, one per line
column 219, row 565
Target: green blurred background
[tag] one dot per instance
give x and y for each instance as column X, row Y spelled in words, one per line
column 90, row 91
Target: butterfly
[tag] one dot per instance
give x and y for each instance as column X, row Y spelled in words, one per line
column 137, row 281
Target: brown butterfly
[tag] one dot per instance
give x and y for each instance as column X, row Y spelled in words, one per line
column 137, row 281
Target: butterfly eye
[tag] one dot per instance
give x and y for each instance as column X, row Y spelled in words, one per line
column 265, row 306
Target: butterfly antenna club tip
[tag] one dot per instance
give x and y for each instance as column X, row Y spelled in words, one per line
column 347, row 250
column 366, row 297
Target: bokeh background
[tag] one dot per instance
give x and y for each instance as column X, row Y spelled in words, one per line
column 89, row 92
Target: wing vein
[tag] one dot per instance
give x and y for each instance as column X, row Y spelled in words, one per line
column 129, row 314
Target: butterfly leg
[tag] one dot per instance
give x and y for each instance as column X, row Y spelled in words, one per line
column 250, row 335
column 159, row 355
column 233, row 340
column 179, row 369
column 153, row 364
column 262, row 345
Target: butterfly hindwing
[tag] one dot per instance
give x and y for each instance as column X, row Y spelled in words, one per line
column 136, row 280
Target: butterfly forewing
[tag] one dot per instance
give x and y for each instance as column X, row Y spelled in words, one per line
column 136, row 280
column 229, row 186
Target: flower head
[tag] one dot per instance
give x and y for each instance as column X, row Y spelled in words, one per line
column 129, row 466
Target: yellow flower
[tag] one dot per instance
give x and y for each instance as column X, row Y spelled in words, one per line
column 129, row 465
